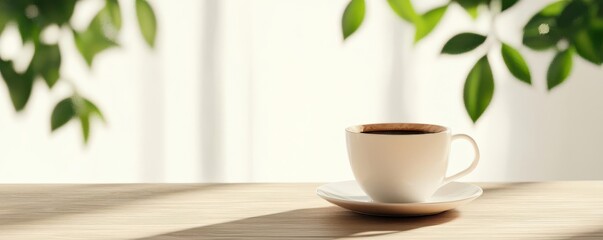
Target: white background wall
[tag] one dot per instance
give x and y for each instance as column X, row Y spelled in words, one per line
column 262, row 90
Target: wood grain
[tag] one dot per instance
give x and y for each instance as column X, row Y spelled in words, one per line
column 549, row 210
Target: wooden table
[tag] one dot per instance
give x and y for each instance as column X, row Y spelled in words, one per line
column 549, row 210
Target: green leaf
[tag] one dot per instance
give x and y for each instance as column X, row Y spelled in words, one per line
column 148, row 22
column 596, row 21
column 589, row 45
column 28, row 29
column 90, row 43
column 429, row 21
column 599, row 10
column 54, row 12
column 101, row 33
column 85, row 110
column 405, row 10
column 515, row 63
column 93, row 109
column 554, row 9
column 352, row 17
column 1, row 25
column 72, row 107
column 115, row 13
column 47, row 62
column 4, row 17
column 472, row 11
column 105, row 24
column 19, row 85
column 560, row 68
column 471, row 6
column 463, row 42
column 62, row 113
column 85, row 123
column 573, row 16
column 506, row 4
column 479, row 89
column 32, row 16
column 541, row 32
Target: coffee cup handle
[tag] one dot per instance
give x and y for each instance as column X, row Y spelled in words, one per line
column 473, row 164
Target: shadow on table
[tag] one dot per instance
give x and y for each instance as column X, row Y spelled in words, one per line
column 593, row 235
column 23, row 204
column 501, row 188
column 316, row 223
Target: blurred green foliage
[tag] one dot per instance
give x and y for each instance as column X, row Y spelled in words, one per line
column 565, row 26
column 32, row 17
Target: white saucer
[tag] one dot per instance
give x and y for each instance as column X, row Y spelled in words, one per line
column 350, row 196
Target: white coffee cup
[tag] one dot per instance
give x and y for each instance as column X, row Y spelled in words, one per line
column 402, row 162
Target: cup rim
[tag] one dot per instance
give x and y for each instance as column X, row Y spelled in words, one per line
column 429, row 128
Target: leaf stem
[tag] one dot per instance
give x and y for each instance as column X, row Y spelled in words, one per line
column 495, row 10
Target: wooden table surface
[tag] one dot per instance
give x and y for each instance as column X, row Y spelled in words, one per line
column 548, row 210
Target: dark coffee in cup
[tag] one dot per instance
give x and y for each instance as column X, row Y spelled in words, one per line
column 398, row 132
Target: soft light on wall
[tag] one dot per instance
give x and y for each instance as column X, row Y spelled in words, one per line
column 259, row 91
